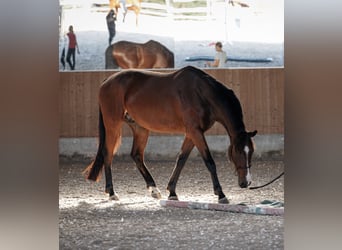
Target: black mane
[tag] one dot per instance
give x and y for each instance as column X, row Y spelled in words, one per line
column 224, row 95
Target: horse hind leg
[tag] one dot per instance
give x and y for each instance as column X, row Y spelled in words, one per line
column 109, row 142
column 140, row 136
column 124, row 16
column 113, row 140
column 137, row 17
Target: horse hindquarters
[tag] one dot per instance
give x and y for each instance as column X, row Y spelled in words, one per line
column 111, row 106
column 110, row 62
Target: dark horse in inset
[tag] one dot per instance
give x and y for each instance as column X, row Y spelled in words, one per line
column 186, row 101
column 126, row 55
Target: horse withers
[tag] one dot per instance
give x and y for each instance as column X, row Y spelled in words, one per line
column 187, row 101
column 127, row 55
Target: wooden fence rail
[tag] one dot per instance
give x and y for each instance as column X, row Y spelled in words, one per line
column 167, row 9
column 260, row 90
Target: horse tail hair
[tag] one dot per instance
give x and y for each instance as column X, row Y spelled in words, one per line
column 110, row 62
column 172, row 60
column 94, row 170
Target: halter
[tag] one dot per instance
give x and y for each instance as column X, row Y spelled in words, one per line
column 243, row 168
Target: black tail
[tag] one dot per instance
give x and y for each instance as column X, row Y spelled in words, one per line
column 110, row 62
column 93, row 171
column 63, row 58
column 172, row 60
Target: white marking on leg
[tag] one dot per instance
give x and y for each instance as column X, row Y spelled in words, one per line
column 248, row 176
column 155, row 192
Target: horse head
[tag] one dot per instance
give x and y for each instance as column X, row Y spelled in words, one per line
column 240, row 153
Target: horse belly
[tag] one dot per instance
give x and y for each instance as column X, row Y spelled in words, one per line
column 156, row 115
column 156, row 122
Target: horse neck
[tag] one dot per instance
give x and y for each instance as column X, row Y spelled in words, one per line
column 233, row 129
column 230, row 116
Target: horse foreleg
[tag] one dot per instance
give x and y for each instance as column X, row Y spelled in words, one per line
column 140, row 136
column 136, row 19
column 124, row 16
column 202, row 147
column 186, row 149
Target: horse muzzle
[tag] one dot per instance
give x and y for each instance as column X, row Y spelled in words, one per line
column 244, row 184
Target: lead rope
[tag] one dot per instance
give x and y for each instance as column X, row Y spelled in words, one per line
column 268, row 182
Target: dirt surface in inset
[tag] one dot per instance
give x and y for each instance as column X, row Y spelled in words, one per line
column 89, row 220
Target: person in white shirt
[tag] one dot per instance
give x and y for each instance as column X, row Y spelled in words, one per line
column 220, row 57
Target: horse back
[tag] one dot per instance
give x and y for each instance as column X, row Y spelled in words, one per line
column 151, row 54
column 160, row 102
column 116, row 3
column 164, row 56
column 126, row 54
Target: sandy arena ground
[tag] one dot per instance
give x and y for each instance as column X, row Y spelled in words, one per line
column 88, row 220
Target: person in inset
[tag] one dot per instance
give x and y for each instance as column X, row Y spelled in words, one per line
column 111, row 18
column 220, row 57
column 63, row 41
column 71, row 48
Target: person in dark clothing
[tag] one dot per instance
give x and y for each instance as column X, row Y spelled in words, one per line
column 72, row 48
column 111, row 18
column 62, row 58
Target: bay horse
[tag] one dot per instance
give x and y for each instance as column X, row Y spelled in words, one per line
column 187, row 101
column 126, row 54
column 134, row 5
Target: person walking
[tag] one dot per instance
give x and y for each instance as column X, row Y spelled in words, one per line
column 71, row 58
column 111, row 18
column 220, row 57
column 63, row 41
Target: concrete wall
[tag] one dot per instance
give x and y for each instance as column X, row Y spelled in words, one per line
column 267, row 146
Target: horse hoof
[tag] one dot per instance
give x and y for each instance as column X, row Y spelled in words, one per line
column 155, row 192
column 224, row 200
column 173, row 198
column 114, row 197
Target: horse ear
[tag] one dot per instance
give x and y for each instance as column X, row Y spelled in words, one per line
column 252, row 134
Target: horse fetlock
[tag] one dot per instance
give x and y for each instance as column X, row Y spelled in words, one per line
column 219, row 193
column 173, row 198
column 155, row 192
column 109, row 190
column 114, row 197
column 223, row 200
